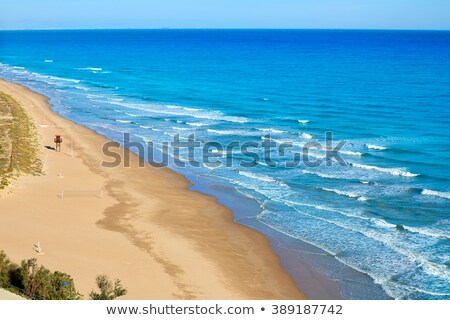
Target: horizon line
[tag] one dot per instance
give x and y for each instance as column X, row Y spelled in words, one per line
column 228, row 28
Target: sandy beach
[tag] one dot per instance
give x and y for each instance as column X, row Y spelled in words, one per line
column 140, row 225
column 6, row 295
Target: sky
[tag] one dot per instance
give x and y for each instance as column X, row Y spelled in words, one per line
column 303, row 14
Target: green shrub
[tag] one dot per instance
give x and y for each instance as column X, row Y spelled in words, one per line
column 36, row 282
column 39, row 283
column 5, row 270
column 108, row 290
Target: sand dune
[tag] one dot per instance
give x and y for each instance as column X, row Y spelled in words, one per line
column 6, row 295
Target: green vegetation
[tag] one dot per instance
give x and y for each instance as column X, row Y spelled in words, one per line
column 18, row 142
column 5, row 267
column 38, row 283
column 108, row 290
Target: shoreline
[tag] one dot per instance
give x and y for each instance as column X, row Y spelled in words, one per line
column 316, row 272
column 181, row 242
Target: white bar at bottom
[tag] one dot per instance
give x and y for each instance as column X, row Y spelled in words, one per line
column 229, row 309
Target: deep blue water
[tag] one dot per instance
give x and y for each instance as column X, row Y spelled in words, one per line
column 385, row 212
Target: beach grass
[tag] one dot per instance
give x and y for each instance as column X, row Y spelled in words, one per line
column 19, row 152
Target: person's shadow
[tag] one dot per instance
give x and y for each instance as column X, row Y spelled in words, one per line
column 50, row 147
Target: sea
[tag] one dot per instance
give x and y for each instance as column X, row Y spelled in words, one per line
column 335, row 144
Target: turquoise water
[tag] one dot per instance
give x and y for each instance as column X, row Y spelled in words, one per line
column 384, row 211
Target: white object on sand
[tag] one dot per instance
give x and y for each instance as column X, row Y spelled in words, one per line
column 37, row 247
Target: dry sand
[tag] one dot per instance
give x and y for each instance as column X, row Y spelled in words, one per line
column 162, row 240
column 6, row 295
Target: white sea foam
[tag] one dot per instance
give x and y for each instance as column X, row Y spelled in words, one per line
column 90, row 69
column 82, row 88
column 229, row 119
column 428, row 266
column 432, row 232
column 92, row 96
column 303, row 121
column 131, row 114
column 40, row 76
column 257, row 176
column 191, row 109
column 262, row 163
column 382, row 223
column 222, row 132
column 351, row 153
column 433, row 193
column 311, row 153
column 279, row 141
column 196, row 124
column 305, row 135
column 48, row 61
column 392, row 171
column 179, row 111
column 229, row 132
column 375, row 147
column 325, row 208
column 349, row 194
column 388, row 239
column 218, row 152
column 123, row 121
column 271, row 130
column 426, row 231
column 320, row 174
column 181, row 129
column 145, row 127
